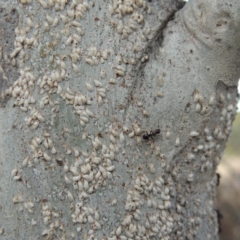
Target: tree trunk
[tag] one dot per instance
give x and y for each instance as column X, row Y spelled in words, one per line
column 114, row 117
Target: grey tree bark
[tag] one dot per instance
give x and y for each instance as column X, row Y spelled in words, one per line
column 114, row 116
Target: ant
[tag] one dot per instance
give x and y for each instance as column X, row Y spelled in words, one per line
column 219, row 217
column 218, row 178
column 149, row 135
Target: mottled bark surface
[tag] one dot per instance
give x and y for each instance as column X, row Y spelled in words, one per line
column 85, row 89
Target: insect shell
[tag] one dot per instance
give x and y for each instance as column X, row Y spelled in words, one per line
column 149, row 135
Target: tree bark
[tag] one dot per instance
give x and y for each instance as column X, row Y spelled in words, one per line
column 114, row 117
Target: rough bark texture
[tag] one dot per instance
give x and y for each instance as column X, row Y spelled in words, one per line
column 85, row 89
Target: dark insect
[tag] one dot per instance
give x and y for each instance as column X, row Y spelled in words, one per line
column 219, row 217
column 149, row 135
column 218, row 178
